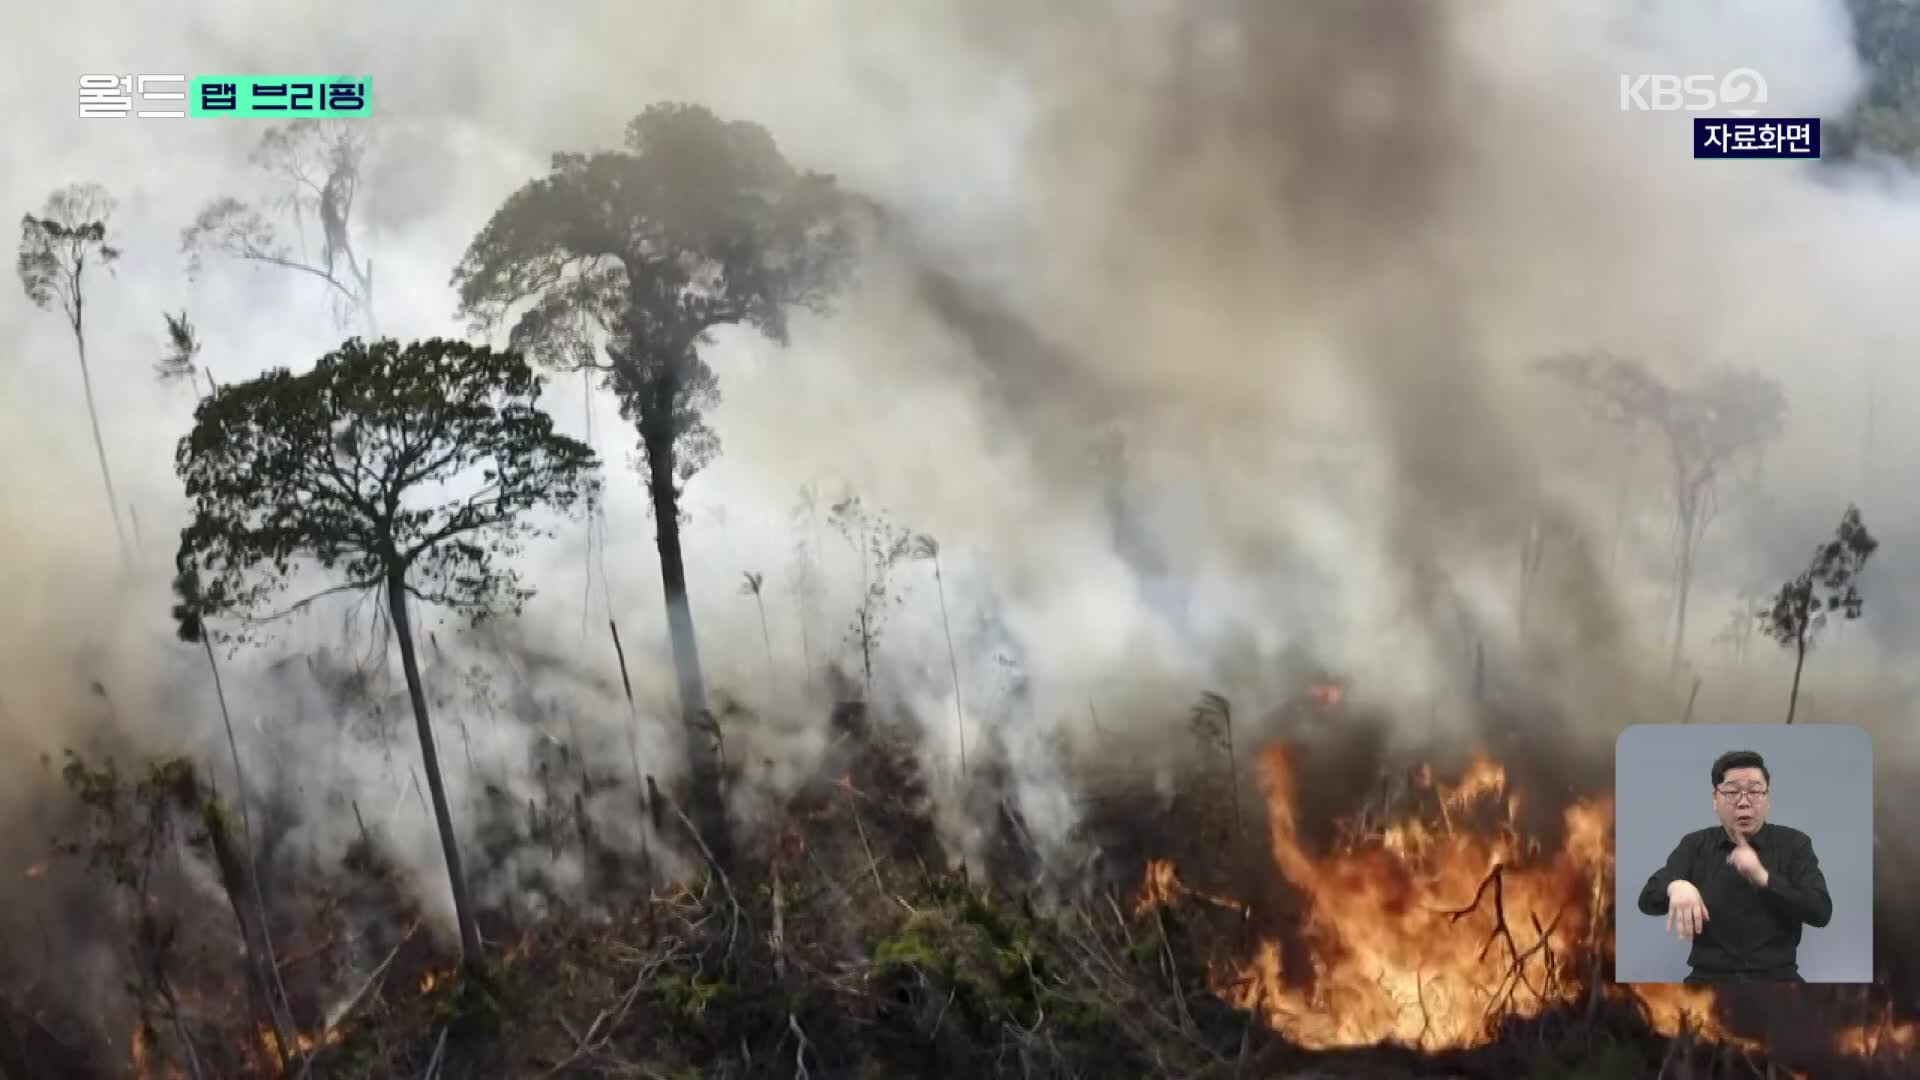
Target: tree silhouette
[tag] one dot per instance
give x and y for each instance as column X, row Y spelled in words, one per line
column 880, row 545
column 1829, row 584
column 180, row 360
column 927, row 548
column 321, row 161
column 1211, row 721
column 365, row 467
column 56, row 248
column 639, row 254
column 1703, row 429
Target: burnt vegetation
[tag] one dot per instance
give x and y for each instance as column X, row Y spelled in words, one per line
column 599, row 909
column 838, row 941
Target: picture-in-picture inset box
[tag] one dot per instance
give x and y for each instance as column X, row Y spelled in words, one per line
column 1743, row 853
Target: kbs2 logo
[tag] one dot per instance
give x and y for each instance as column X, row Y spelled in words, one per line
column 1737, row 92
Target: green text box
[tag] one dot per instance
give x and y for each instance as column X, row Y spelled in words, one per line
column 284, row 95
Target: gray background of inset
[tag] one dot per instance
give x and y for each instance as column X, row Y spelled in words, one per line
column 1822, row 785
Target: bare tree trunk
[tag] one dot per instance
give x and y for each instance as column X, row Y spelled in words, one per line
column 470, row 955
column 709, row 807
column 1532, row 552
column 766, row 640
column 261, row 959
column 180, row 1029
column 366, row 300
column 813, row 579
column 1683, row 585
column 1233, row 773
column 1799, row 662
column 806, row 645
column 1867, row 432
column 953, row 664
column 586, row 582
column 263, row 974
column 99, row 444
column 866, row 646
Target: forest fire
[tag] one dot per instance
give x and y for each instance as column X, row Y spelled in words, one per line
column 141, row 1058
column 303, row 1043
column 1430, row 929
column 1327, row 693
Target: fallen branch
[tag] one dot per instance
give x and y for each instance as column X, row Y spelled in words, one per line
column 345, row 1008
column 799, row 1052
column 439, row 1051
column 597, row 1036
column 733, row 929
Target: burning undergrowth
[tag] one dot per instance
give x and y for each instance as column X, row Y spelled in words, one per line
column 1461, row 905
column 1355, row 904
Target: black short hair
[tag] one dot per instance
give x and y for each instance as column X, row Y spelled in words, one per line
column 1738, row 759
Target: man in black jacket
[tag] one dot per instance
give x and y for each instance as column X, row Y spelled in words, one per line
column 1742, row 889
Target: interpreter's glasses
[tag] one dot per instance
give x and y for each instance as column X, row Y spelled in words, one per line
column 1734, row 795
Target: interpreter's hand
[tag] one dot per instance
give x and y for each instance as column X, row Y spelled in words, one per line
column 1686, row 912
column 1746, row 861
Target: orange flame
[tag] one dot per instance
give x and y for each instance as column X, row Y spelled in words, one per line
column 1429, row 932
column 1389, row 962
column 1163, row 884
column 1402, row 942
column 142, row 1059
column 303, row 1042
column 1327, row 693
column 37, row 869
column 1886, row 1037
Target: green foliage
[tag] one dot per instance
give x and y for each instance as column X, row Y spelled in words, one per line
column 329, row 466
column 57, row 243
column 128, row 827
column 880, row 545
column 698, row 223
column 989, row 959
column 129, row 823
column 179, row 362
column 469, row 1004
column 1829, row 585
column 689, row 996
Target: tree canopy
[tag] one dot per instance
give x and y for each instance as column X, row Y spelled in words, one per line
column 329, row 466
column 1830, row 585
column 56, row 243
column 698, row 223
column 320, row 162
column 639, row 253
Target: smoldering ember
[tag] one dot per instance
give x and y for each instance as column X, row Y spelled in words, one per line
column 951, row 539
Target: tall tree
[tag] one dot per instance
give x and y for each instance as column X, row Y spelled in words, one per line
column 1702, row 430
column 1829, row 585
column 624, row 262
column 56, row 248
column 319, row 164
column 409, row 470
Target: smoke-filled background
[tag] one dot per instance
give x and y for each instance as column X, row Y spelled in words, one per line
column 1205, row 332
